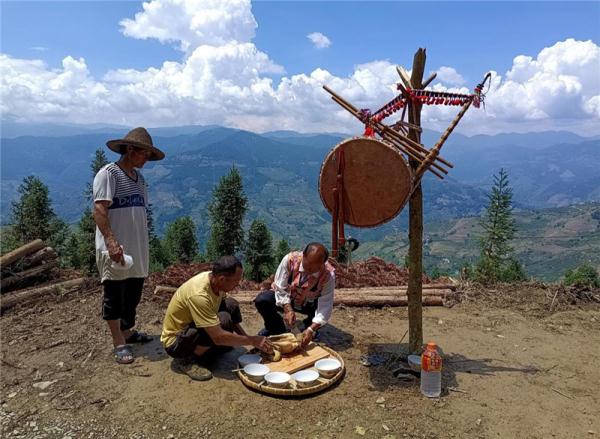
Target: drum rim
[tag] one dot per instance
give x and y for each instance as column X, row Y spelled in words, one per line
column 382, row 141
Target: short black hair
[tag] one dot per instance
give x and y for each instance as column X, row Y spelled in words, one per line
column 226, row 265
column 313, row 246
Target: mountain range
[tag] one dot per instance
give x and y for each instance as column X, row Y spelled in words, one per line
column 280, row 171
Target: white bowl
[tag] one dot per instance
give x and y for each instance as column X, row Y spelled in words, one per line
column 247, row 359
column 256, row 372
column 278, row 379
column 305, row 378
column 414, row 361
column 328, row 367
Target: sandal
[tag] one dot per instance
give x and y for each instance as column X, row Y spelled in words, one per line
column 138, row 337
column 123, row 354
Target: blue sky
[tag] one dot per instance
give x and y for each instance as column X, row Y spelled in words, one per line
column 468, row 37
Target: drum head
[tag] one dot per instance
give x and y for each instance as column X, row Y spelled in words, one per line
column 377, row 181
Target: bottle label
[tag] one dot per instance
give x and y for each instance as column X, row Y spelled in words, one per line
column 431, row 362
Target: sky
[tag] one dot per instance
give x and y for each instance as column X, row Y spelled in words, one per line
column 261, row 65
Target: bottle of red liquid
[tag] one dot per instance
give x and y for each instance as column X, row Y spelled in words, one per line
column 431, row 371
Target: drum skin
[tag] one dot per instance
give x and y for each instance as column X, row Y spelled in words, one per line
column 377, row 181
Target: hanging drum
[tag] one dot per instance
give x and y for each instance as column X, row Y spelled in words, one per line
column 377, row 181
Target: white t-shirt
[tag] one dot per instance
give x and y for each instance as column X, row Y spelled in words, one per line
column 127, row 218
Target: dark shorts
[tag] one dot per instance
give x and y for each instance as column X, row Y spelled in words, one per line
column 186, row 342
column 121, row 298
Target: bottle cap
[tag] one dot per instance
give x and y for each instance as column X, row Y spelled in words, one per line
column 432, row 346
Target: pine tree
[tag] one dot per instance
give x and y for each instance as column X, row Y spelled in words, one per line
column 159, row 257
column 496, row 262
column 226, row 211
column 283, row 248
column 180, row 241
column 259, row 251
column 82, row 248
column 32, row 213
column 98, row 163
column 82, row 244
column 33, row 218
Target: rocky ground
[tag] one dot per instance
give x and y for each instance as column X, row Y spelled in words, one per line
column 519, row 361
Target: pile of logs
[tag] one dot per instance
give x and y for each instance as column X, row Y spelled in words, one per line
column 29, row 266
column 375, row 297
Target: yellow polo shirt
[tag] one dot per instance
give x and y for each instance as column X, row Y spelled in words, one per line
column 194, row 301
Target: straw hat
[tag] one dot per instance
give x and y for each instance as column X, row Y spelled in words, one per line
column 139, row 138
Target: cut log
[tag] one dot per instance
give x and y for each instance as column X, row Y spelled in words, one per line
column 27, row 275
column 21, row 252
column 363, row 294
column 35, row 294
column 45, row 254
column 350, row 297
column 366, row 300
column 378, row 302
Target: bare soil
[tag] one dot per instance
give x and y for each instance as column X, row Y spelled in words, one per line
column 520, row 361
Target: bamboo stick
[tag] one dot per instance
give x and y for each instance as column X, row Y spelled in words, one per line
column 429, row 80
column 415, row 150
column 382, row 128
column 435, row 150
column 404, row 76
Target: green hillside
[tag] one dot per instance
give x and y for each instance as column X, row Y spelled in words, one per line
column 548, row 242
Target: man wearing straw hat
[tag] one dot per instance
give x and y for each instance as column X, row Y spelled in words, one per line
column 122, row 255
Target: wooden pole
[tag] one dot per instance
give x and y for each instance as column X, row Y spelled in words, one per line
column 415, row 220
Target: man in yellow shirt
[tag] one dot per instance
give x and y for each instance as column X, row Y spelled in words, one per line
column 200, row 317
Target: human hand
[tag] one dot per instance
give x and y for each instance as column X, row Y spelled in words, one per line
column 307, row 337
column 262, row 343
column 115, row 251
column 289, row 316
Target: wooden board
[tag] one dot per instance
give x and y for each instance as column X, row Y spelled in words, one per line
column 298, row 361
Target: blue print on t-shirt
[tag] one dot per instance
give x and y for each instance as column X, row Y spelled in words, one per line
column 135, row 200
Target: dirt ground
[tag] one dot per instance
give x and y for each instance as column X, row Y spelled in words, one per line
column 519, row 362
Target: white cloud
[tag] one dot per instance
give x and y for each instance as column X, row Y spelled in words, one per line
column 225, row 79
column 319, row 40
column 193, row 23
column 39, row 48
column 450, row 76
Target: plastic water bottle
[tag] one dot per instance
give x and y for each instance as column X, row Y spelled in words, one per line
column 431, row 372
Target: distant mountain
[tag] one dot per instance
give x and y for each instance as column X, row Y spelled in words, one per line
column 281, row 169
column 10, row 129
column 548, row 242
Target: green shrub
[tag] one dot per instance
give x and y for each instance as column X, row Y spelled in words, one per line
column 584, row 276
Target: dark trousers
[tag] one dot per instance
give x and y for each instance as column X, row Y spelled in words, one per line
column 271, row 313
column 229, row 316
column 120, row 301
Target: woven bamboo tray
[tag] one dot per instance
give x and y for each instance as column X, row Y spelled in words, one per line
column 321, row 384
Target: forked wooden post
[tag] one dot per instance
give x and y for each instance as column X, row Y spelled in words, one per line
column 415, row 221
